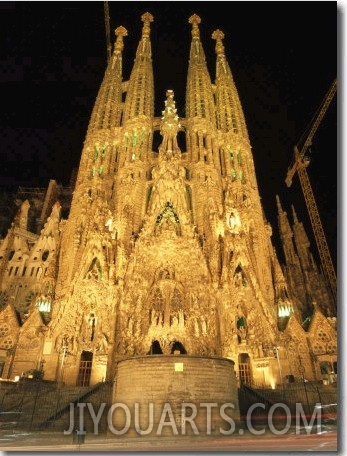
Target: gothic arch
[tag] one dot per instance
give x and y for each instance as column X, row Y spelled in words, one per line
column 94, row 270
column 168, row 219
column 239, row 276
column 178, row 348
column 155, row 348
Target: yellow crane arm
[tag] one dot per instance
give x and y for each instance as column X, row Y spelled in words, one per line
column 299, row 156
column 107, row 29
column 300, row 164
column 318, row 231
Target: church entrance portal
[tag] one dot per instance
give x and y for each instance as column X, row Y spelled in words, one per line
column 85, row 369
column 245, row 374
column 155, row 348
column 178, row 349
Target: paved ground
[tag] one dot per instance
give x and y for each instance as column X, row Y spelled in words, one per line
column 46, row 442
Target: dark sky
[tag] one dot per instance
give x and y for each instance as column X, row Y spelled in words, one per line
column 283, row 56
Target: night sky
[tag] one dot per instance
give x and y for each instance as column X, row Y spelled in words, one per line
column 283, row 56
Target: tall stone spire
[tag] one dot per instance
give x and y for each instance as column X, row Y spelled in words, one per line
column 134, row 148
column 236, row 155
column 107, row 108
column 286, row 235
column 306, row 283
column 140, row 89
column 230, row 117
column 302, row 244
column 91, row 199
column 96, row 155
column 200, row 109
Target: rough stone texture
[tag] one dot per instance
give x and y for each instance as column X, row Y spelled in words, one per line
column 180, row 381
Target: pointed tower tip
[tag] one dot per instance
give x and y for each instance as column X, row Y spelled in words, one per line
column 120, row 32
column 170, row 93
column 146, row 18
column 195, row 20
column 218, row 35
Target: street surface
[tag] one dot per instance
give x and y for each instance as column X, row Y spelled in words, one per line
column 326, row 441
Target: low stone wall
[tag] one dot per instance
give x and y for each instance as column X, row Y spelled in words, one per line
column 173, row 395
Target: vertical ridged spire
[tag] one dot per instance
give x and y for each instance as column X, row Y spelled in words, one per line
column 107, row 108
column 200, row 103
column 286, row 234
column 134, row 148
column 237, row 163
column 230, row 117
column 302, row 243
column 106, row 115
column 140, row 92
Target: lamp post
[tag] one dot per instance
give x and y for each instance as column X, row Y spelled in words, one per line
column 276, row 352
column 64, row 350
column 301, row 369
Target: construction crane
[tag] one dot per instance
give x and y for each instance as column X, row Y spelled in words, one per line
column 107, row 29
column 299, row 165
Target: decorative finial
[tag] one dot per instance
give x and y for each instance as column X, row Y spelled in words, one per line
column 170, row 120
column 120, row 32
column 169, row 127
column 218, row 35
column 146, row 18
column 170, row 93
column 195, row 21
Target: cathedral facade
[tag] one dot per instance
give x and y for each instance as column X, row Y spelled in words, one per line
column 164, row 251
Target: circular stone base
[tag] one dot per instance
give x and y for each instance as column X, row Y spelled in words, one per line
column 174, row 395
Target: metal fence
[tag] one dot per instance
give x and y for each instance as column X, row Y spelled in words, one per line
column 39, row 405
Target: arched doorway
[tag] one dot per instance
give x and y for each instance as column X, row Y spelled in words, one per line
column 245, row 374
column 178, row 349
column 155, row 348
column 85, row 369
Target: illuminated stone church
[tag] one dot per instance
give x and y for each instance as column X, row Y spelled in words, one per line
column 166, row 249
